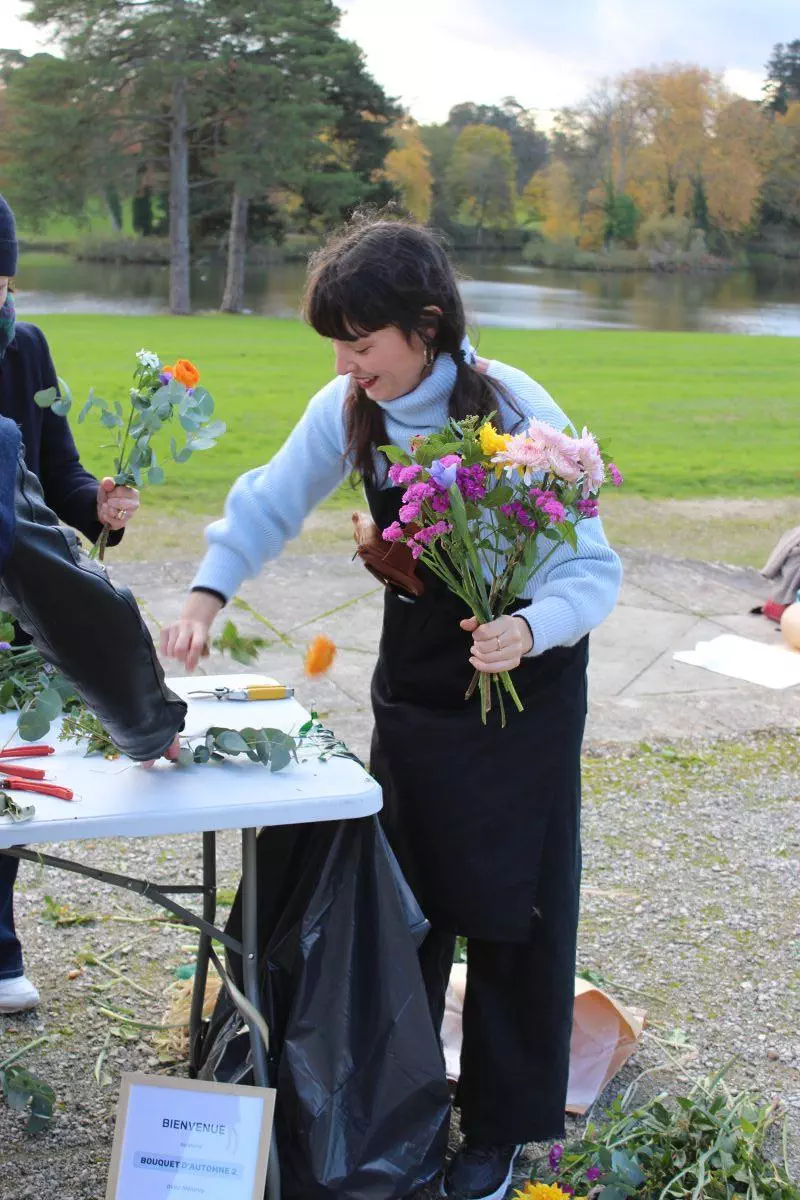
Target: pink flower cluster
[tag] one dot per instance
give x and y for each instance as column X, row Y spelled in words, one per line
column 472, row 482
column 401, row 474
column 588, row 507
column 423, row 537
column 516, row 512
column 541, row 449
column 550, row 505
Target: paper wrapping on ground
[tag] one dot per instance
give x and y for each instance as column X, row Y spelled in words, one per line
column 744, row 658
column 604, row 1036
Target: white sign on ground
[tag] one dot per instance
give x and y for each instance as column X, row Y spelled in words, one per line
column 742, row 658
column 181, row 1138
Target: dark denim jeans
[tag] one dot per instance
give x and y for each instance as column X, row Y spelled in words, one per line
column 10, row 949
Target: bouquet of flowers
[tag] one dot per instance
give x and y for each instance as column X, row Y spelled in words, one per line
column 484, row 511
column 160, row 393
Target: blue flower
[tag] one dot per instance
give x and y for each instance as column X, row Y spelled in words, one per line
column 444, row 471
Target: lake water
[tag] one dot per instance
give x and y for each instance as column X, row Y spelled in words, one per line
column 499, row 291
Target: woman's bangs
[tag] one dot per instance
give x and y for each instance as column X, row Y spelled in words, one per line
column 341, row 308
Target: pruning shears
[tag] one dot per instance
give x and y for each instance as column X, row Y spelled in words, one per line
column 262, row 691
column 28, row 779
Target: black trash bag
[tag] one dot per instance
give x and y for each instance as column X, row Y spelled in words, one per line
column 362, row 1099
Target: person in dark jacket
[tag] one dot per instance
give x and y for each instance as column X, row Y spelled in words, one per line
column 77, row 498
column 60, row 598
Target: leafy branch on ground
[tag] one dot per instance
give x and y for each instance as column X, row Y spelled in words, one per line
column 707, row 1144
column 63, row 915
column 21, row 1088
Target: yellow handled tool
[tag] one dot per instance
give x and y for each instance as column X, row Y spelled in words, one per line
column 262, row 691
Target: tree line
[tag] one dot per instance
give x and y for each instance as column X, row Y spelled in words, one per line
column 214, row 115
column 236, row 121
column 650, row 150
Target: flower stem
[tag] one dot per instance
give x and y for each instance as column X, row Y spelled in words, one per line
column 98, row 550
column 508, row 683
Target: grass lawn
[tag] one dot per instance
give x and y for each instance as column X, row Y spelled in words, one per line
column 686, row 415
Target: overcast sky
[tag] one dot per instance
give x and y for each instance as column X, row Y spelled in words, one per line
column 433, row 54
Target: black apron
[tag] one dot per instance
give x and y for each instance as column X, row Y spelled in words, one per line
column 470, row 810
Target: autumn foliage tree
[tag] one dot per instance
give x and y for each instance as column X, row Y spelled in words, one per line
column 671, row 142
column 408, row 168
column 481, row 176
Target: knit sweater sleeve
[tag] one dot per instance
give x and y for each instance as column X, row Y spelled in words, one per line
column 266, row 507
column 573, row 592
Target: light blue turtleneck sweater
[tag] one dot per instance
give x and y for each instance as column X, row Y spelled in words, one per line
column 266, row 507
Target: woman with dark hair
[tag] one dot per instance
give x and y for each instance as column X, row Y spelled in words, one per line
column 77, row 498
column 485, row 821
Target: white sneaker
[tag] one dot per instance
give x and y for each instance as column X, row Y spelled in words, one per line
column 17, row 995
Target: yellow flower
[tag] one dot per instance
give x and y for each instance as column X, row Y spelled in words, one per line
column 491, row 441
column 543, row 1191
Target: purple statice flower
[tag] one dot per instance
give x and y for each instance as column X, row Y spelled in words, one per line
column 393, row 532
column 440, row 502
column 472, row 481
column 444, row 471
column 399, row 473
column 431, row 532
column 409, row 512
column 417, row 492
column 515, row 512
column 415, row 547
column 617, row 477
column 593, row 1174
column 555, row 1156
column 588, row 507
column 550, row 505
column 164, row 377
column 5, row 645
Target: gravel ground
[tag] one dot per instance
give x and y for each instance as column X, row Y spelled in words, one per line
column 690, row 909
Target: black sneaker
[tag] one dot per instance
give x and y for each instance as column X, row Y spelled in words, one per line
column 480, row 1172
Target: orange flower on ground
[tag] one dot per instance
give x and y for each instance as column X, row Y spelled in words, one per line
column 185, row 372
column 320, row 655
column 543, row 1191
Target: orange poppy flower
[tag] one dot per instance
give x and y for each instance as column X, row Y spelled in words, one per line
column 186, row 373
column 320, row 655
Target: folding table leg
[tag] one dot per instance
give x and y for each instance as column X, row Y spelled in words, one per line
column 196, row 1030
column 251, row 984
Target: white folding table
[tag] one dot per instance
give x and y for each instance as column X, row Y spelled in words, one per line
column 117, row 798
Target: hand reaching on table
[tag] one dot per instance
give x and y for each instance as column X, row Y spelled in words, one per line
column 187, row 638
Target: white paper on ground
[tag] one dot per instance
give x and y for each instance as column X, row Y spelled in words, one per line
column 604, row 1036
column 743, row 658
